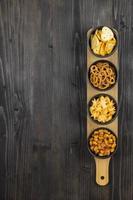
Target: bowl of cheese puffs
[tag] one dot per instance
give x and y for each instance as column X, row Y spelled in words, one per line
column 103, row 41
column 102, row 109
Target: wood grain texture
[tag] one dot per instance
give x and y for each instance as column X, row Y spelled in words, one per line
column 43, row 151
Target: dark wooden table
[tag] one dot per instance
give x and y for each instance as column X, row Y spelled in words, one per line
column 43, row 150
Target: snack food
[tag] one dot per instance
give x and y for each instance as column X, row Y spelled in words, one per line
column 102, row 109
column 102, row 142
column 103, row 41
column 106, row 34
column 102, row 75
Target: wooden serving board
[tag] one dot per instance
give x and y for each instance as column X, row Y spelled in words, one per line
column 102, row 165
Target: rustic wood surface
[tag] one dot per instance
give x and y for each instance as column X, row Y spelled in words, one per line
column 43, row 151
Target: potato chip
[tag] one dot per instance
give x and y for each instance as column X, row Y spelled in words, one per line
column 113, row 40
column 98, row 34
column 110, row 45
column 106, row 34
column 102, row 49
column 96, row 50
column 94, row 42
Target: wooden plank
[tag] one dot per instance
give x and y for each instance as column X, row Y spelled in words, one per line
column 17, row 57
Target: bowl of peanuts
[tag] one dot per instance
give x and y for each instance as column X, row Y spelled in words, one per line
column 102, row 75
column 102, row 142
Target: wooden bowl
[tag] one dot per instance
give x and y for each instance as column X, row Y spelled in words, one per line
column 99, row 28
column 90, row 104
column 112, row 67
column 102, row 157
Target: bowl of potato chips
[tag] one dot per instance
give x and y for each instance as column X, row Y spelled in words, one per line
column 102, row 109
column 103, row 41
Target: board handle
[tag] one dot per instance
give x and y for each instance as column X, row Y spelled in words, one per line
column 102, row 171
